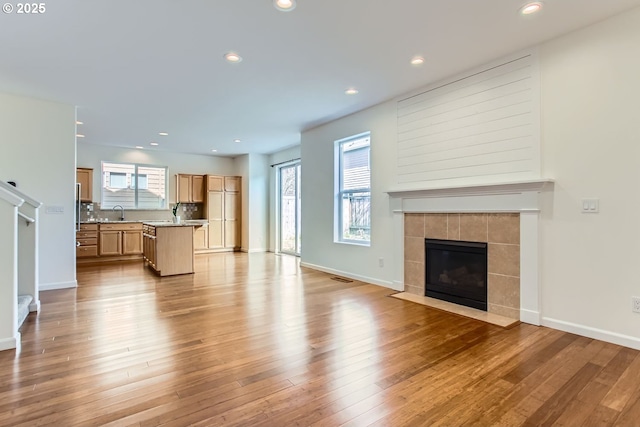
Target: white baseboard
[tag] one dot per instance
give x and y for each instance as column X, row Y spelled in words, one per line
column 58, row 285
column 10, row 343
column 397, row 286
column 349, row 275
column 34, row 306
column 253, row 251
column 529, row 316
column 599, row 334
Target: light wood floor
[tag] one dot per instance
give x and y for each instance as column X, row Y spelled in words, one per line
column 253, row 340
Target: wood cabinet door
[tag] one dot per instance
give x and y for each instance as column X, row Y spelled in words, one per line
column 231, row 206
column 231, row 234
column 216, row 233
column 153, row 250
column 110, row 243
column 184, row 188
column 131, row 242
column 85, row 178
column 231, row 219
column 215, row 206
column 215, row 215
column 197, row 188
column 200, row 238
column 232, row 183
column 215, row 183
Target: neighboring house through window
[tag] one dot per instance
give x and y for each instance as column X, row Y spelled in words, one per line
column 353, row 190
column 133, row 186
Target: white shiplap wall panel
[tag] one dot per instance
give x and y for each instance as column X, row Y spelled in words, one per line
column 482, row 126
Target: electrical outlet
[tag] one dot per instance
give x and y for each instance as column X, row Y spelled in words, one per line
column 380, row 262
column 636, row 304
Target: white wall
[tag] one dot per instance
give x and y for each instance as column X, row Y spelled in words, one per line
column 591, row 146
column 37, row 140
column 91, row 156
column 590, row 112
column 319, row 249
column 254, row 169
column 281, row 156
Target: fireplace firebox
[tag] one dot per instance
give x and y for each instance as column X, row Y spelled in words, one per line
column 456, row 271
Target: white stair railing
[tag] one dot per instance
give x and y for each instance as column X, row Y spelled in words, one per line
column 28, row 238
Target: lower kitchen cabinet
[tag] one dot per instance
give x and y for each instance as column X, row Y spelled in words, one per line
column 120, row 239
column 200, row 238
column 87, row 241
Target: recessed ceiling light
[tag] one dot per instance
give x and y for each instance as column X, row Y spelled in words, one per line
column 214, row 151
column 285, row 5
column 351, row 91
column 79, row 135
column 530, row 8
column 163, row 133
column 153, row 143
column 139, row 147
column 236, row 140
column 417, row 60
column 78, row 122
column 232, row 57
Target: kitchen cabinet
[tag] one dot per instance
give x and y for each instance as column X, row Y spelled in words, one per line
column 87, row 241
column 223, row 212
column 190, row 188
column 200, row 238
column 84, row 177
column 131, row 242
column 168, row 249
column 149, row 244
column 120, row 239
column 215, row 183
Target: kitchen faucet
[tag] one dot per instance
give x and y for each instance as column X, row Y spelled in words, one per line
column 121, row 211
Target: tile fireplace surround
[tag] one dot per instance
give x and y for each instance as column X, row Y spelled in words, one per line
column 504, row 215
column 500, row 230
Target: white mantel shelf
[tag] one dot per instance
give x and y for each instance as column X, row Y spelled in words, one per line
column 510, row 187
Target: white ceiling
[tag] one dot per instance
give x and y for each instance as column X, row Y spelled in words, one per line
column 138, row 67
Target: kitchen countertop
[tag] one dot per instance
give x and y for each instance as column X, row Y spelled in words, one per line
column 186, row 223
column 156, row 223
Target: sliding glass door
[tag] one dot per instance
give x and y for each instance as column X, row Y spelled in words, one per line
column 290, row 208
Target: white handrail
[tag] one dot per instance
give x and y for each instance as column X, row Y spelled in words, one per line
column 10, row 197
column 10, row 188
column 28, row 219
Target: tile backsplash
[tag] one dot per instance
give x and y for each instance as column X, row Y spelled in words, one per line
column 91, row 211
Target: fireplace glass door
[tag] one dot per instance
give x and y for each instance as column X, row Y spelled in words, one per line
column 457, row 272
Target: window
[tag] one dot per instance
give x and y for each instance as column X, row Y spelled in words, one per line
column 353, row 185
column 118, row 180
column 133, row 186
column 143, row 183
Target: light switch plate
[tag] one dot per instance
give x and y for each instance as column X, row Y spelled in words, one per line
column 54, row 210
column 590, row 205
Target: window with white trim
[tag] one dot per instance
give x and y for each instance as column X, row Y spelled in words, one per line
column 133, row 186
column 353, row 189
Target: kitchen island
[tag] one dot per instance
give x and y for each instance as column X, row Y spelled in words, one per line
column 168, row 247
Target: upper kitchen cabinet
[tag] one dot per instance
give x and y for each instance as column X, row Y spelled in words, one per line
column 215, row 183
column 232, row 183
column 84, row 177
column 190, row 188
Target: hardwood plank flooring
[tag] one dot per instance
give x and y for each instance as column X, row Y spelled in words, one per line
column 254, row 340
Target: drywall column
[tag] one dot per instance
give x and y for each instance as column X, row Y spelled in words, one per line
column 9, row 335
